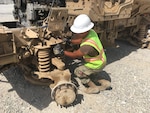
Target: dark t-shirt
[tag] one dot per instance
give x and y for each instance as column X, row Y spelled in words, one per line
column 89, row 50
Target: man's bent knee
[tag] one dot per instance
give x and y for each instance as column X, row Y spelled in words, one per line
column 79, row 73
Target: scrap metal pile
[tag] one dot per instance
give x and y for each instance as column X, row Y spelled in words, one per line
column 45, row 23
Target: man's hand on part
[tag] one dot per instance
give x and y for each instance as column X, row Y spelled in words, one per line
column 67, row 40
column 58, row 50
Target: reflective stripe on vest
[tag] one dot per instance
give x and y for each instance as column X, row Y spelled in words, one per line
column 99, row 57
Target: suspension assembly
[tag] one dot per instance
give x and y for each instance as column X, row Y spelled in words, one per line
column 142, row 31
column 44, row 59
column 63, row 90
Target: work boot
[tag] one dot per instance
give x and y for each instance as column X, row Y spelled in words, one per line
column 105, row 85
column 92, row 89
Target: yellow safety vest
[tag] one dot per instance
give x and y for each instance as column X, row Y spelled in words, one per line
column 98, row 61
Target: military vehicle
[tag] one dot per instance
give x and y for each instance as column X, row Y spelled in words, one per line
column 43, row 24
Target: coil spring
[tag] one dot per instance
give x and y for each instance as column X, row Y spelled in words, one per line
column 44, row 60
column 142, row 32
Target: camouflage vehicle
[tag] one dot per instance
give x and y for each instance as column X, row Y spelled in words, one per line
column 45, row 23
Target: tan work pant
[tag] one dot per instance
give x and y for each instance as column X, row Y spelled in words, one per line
column 84, row 72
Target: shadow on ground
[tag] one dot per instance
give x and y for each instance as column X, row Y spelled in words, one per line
column 116, row 53
column 39, row 96
column 35, row 95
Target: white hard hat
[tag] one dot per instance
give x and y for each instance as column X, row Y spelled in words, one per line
column 81, row 24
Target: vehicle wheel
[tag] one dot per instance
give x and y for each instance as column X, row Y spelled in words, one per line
column 64, row 93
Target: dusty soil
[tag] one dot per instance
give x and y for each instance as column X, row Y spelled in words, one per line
column 128, row 68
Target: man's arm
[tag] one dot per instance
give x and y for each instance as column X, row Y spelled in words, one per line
column 74, row 54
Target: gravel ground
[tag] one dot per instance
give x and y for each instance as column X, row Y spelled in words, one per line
column 128, row 68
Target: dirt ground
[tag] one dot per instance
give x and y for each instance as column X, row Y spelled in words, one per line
column 128, row 68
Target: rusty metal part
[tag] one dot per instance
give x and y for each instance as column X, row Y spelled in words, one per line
column 7, row 47
column 43, row 58
column 58, row 63
column 63, row 90
column 28, row 33
column 43, row 67
column 57, row 20
column 112, row 18
column 35, row 80
column 64, row 93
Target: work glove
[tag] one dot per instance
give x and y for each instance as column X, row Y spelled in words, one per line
column 58, row 50
column 67, row 40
